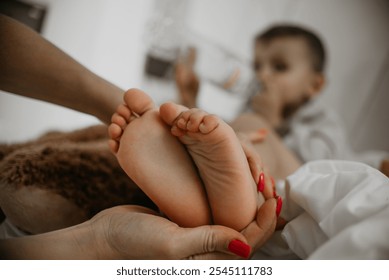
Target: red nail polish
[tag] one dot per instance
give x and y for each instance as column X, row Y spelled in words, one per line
column 261, row 182
column 279, row 205
column 239, row 248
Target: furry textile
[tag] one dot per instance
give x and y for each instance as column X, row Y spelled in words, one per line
column 76, row 166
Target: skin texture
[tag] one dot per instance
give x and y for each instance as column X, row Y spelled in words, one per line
column 163, row 169
column 123, row 232
column 221, row 162
column 21, row 48
column 276, row 158
column 214, row 148
column 283, row 67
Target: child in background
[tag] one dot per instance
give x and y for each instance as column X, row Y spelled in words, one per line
column 289, row 64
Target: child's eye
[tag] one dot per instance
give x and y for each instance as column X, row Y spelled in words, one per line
column 280, row 67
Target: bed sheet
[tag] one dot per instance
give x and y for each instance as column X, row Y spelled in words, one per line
column 337, row 210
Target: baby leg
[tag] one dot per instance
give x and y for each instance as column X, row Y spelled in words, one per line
column 157, row 162
column 280, row 161
column 221, row 161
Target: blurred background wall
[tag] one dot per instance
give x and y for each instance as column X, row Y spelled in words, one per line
column 115, row 40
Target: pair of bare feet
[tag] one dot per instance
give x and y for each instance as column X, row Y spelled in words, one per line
column 190, row 163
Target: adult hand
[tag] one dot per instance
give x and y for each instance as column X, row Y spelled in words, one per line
column 256, row 233
column 134, row 232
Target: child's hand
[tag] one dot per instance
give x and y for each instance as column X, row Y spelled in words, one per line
column 186, row 79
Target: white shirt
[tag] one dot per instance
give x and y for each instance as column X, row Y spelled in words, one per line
column 316, row 132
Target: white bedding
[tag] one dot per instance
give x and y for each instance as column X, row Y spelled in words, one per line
column 337, row 210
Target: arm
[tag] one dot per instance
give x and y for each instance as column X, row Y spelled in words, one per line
column 134, row 232
column 33, row 67
column 70, row 243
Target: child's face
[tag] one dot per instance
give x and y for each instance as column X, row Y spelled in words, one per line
column 283, row 66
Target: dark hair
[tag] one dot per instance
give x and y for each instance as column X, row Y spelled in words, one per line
column 313, row 41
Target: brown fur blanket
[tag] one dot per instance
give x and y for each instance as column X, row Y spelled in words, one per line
column 66, row 177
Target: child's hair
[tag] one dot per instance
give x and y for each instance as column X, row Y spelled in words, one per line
column 313, row 41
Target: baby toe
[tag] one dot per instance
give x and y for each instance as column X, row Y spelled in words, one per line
column 209, row 123
column 123, row 111
column 114, row 131
column 138, row 101
column 195, row 120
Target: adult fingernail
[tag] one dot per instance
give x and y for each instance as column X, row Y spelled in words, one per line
column 239, row 248
column 261, row 182
column 279, row 206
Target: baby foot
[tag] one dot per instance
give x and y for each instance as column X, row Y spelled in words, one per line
column 221, row 161
column 157, row 162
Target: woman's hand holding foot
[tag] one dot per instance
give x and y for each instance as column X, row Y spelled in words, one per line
column 133, row 232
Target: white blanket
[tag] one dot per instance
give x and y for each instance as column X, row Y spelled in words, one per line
column 337, row 210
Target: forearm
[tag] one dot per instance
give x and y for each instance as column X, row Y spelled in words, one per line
column 70, row 243
column 33, row 67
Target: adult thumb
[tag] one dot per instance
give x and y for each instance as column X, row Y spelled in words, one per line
column 212, row 242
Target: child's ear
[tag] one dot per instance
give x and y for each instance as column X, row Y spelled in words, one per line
column 317, row 84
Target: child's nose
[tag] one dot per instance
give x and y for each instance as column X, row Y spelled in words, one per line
column 264, row 74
